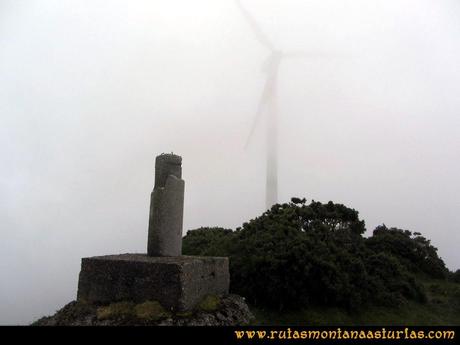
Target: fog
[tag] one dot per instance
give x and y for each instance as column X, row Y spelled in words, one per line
column 92, row 91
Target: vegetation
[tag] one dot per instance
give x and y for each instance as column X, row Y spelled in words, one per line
column 150, row 310
column 207, row 241
column 116, row 310
column 413, row 250
column 299, row 256
column 442, row 308
column 209, row 303
column 455, row 276
column 212, row 310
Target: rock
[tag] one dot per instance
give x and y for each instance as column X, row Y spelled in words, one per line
column 232, row 310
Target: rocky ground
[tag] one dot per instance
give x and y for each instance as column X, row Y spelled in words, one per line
column 228, row 310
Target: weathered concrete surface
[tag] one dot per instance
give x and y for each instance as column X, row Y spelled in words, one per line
column 166, row 208
column 178, row 283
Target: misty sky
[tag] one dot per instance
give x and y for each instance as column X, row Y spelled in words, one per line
column 91, row 91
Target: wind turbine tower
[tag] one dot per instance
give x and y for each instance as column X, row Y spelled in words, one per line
column 267, row 106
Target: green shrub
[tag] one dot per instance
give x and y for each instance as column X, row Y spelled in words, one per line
column 414, row 251
column 297, row 255
column 455, row 276
column 207, row 241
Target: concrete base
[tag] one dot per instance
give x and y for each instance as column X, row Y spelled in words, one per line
column 178, row 283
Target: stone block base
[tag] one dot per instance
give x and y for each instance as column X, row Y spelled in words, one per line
column 178, row 283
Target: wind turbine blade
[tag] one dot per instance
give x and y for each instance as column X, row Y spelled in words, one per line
column 260, row 35
column 260, row 109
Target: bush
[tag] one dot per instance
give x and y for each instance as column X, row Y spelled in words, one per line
column 207, row 241
column 297, row 255
column 455, row 276
column 391, row 284
column 414, row 251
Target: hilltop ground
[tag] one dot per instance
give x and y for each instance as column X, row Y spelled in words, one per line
column 442, row 308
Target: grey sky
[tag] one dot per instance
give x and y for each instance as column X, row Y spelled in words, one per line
column 92, row 91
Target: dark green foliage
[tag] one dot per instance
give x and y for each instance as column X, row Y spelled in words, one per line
column 297, row 255
column 390, row 281
column 414, row 251
column 455, row 276
column 207, row 241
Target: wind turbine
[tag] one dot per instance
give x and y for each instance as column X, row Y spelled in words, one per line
column 268, row 105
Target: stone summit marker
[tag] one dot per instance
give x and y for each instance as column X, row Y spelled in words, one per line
column 166, row 208
column 177, row 282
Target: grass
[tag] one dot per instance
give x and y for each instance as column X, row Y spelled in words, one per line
column 148, row 311
column 442, row 308
column 116, row 311
column 209, row 304
column 151, row 310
